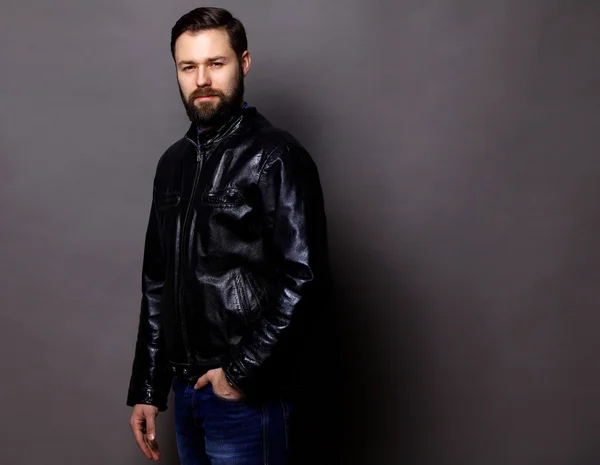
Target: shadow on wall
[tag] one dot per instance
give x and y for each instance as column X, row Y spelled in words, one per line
column 366, row 404
column 379, row 348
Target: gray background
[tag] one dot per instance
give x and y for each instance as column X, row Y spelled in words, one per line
column 458, row 147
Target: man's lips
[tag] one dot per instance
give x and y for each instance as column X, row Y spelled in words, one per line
column 204, row 97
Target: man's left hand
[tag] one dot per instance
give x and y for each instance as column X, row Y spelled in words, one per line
column 219, row 383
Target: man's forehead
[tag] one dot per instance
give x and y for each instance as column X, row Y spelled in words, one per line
column 202, row 45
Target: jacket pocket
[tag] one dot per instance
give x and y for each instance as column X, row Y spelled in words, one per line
column 223, row 198
column 250, row 295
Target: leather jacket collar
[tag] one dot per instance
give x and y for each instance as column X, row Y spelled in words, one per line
column 214, row 135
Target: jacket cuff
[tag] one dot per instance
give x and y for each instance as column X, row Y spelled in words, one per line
column 236, row 377
column 148, row 397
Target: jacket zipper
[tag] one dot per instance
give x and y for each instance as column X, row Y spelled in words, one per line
column 184, row 241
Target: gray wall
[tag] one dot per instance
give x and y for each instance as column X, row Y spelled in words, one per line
column 458, row 146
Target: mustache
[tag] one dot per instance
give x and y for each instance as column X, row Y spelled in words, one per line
column 205, row 93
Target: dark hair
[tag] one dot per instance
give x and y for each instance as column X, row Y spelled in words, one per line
column 201, row 19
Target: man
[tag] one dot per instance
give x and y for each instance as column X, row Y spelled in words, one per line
column 235, row 265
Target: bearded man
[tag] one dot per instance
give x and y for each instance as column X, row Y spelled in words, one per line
column 235, row 265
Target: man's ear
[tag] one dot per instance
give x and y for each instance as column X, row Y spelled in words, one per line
column 246, row 61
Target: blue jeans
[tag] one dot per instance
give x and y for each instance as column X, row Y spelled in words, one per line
column 216, row 431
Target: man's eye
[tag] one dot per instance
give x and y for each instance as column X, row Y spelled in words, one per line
column 188, row 68
column 217, row 64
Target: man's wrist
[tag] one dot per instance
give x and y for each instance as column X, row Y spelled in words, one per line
column 229, row 380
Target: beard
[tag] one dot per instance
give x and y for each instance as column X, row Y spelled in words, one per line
column 209, row 114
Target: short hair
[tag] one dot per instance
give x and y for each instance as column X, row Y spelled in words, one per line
column 204, row 18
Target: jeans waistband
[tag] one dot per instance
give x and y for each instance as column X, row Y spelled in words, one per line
column 187, row 371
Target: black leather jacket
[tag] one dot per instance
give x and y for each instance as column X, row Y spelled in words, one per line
column 235, row 261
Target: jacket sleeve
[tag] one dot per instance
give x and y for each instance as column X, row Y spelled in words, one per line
column 296, row 242
column 150, row 382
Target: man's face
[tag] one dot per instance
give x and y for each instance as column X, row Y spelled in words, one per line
column 210, row 76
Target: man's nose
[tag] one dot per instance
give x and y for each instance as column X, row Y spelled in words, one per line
column 202, row 78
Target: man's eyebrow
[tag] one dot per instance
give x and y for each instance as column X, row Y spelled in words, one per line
column 210, row 60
